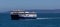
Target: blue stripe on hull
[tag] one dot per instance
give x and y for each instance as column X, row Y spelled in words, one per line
column 27, row 17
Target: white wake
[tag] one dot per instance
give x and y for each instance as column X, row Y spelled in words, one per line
column 45, row 18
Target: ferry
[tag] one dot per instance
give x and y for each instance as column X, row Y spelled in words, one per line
column 22, row 14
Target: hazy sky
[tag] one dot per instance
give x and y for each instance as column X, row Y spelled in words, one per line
column 29, row 4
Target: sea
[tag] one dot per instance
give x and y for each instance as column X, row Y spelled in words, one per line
column 44, row 20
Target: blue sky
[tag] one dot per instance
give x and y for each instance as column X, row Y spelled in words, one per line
column 29, row 4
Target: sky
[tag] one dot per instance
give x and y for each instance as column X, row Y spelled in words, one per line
column 6, row 5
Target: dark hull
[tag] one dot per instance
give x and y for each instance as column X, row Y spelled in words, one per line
column 16, row 17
